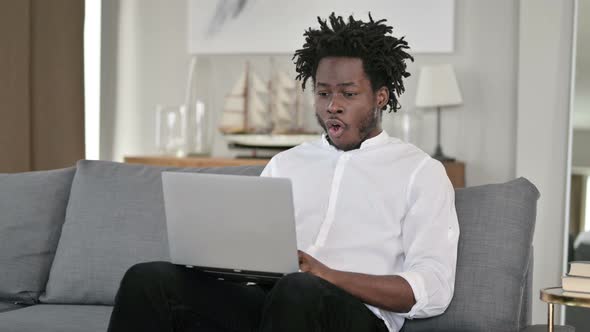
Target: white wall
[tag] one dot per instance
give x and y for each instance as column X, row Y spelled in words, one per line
column 481, row 132
column 581, row 148
column 545, row 51
column 582, row 87
column 145, row 64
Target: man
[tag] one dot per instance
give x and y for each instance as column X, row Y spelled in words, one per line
column 376, row 223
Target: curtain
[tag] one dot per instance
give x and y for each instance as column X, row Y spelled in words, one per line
column 41, row 84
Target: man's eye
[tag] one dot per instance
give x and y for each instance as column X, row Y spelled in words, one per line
column 322, row 94
column 350, row 94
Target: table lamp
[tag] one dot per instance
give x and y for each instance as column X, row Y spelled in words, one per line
column 437, row 87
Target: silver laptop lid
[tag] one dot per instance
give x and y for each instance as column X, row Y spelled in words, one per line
column 230, row 222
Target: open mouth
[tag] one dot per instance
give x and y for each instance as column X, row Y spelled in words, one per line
column 335, row 130
column 335, row 127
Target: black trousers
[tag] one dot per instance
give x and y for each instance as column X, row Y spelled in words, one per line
column 163, row 297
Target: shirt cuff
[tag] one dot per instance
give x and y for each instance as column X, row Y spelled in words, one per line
column 416, row 281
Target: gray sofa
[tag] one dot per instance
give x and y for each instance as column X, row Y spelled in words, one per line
column 67, row 236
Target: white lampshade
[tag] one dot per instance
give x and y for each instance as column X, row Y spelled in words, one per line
column 437, row 86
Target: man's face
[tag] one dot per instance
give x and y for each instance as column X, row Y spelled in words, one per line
column 346, row 106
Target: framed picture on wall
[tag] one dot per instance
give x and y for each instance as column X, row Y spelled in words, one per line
column 277, row 26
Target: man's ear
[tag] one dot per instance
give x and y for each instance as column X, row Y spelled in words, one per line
column 382, row 96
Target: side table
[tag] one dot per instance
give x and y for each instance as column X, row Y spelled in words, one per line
column 556, row 295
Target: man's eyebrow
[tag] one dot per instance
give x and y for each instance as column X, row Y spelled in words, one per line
column 339, row 84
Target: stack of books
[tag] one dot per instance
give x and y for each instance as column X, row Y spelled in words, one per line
column 577, row 281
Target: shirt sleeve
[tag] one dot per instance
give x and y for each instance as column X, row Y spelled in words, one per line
column 430, row 234
column 270, row 169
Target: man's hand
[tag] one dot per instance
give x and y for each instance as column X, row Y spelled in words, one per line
column 309, row 264
column 390, row 292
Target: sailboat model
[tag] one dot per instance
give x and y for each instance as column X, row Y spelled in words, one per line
column 247, row 122
column 243, row 111
column 285, row 104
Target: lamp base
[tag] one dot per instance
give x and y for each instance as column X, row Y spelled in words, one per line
column 440, row 156
column 444, row 159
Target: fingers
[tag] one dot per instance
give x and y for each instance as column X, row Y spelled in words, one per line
column 302, row 257
column 303, row 262
column 303, row 254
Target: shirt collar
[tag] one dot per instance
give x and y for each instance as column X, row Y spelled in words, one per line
column 381, row 138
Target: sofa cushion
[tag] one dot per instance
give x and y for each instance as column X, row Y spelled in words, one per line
column 7, row 306
column 497, row 223
column 56, row 318
column 32, row 209
column 115, row 219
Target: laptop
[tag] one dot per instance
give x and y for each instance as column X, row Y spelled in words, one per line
column 232, row 227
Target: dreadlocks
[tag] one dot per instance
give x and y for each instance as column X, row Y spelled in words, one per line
column 383, row 55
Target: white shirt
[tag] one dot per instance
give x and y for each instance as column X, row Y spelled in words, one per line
column 386, row 208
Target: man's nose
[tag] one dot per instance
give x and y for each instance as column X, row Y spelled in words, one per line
column 335, row 106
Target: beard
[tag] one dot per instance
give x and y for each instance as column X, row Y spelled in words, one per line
column 366, row 126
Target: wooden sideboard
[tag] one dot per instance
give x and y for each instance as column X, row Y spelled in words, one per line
column 193, row 161
column 455, row 170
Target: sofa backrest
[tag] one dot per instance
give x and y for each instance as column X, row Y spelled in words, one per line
column 493, row 279
column 114, row 219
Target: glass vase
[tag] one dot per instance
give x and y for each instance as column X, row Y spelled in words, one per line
column 171, row 130
column 198, row 131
